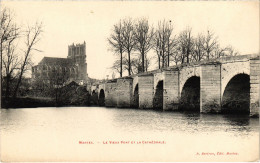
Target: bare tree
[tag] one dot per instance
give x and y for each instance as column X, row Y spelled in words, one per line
column 225, row 51
column 9, row 33
column 10, row 67
column 210, row 44
column 116, row 43
column 198, row 51
column 174, row 52
column 231, row 51
column 32, row 37
column 162, row 43
column 116, row 67
column 143, row 35
column 133, row 63
column 137, row 64
column 170, row 43
column 157, row 47
column 129, row 41
column 186, row 43
column 148, row 61
column 182, row 48
column 208, row 47
column 8, row 29
column 220, row 52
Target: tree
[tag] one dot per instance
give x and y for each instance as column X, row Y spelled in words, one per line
column 32, row 37
column 50, row 83
column 117, row 66
column 231, row 51
column 182, row 48
column 56, row 80
column 147, row 62
column 186, row 43
column 8, row 30
column 13, row 63
column 116, row 43
column 9, row 33
column 143, row 35
column 170, row 42
column 10, row 65
column 157, row 47
column 174, row 52
column 210, row 44
column 137, row 64
column 198, row 51
column 128, row 40
column 219, row 51
column 161, row 43
column 226, row 51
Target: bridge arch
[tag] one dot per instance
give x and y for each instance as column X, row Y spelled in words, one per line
column 186, row 73
column 190, row 95
column 236, row 95
column 229, row 70
column 101, row 98
column 158, row 96
column 136, row 96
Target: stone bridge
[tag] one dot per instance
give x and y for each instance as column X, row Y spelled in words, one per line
column 229, row 84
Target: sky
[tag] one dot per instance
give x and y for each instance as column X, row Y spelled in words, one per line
column 235, row 23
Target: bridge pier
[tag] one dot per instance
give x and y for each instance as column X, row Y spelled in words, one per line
column 210, row 91
column 171, row 90
column 111, row 93
column 254, row 86
column 146, row 91
column 124, row 92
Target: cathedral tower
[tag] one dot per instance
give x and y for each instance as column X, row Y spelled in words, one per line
column 77, row 53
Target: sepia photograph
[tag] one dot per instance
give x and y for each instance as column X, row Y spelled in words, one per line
column 129, row 81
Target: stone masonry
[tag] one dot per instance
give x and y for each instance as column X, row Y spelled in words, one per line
column 124, row 92
column 214, row 77
column 254, row 86
column 146, row 91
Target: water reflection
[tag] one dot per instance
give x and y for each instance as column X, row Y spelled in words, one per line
column 237, row 120
column 241, row 124
column 132, row 119
column 189, row 122
column 192, row 117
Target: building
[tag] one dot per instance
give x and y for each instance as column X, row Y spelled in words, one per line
column 72, row 68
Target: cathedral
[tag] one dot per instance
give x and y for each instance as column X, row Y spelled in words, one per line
column 63, row 70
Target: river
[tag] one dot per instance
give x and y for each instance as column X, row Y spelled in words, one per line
column 112, row 134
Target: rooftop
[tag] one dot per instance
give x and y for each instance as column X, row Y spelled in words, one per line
column 56, row 61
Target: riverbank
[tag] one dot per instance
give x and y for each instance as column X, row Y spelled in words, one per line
column 33, row 102
column 27, row 102
column 69, row 95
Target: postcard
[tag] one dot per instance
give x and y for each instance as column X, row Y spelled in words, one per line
column 131, row 81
